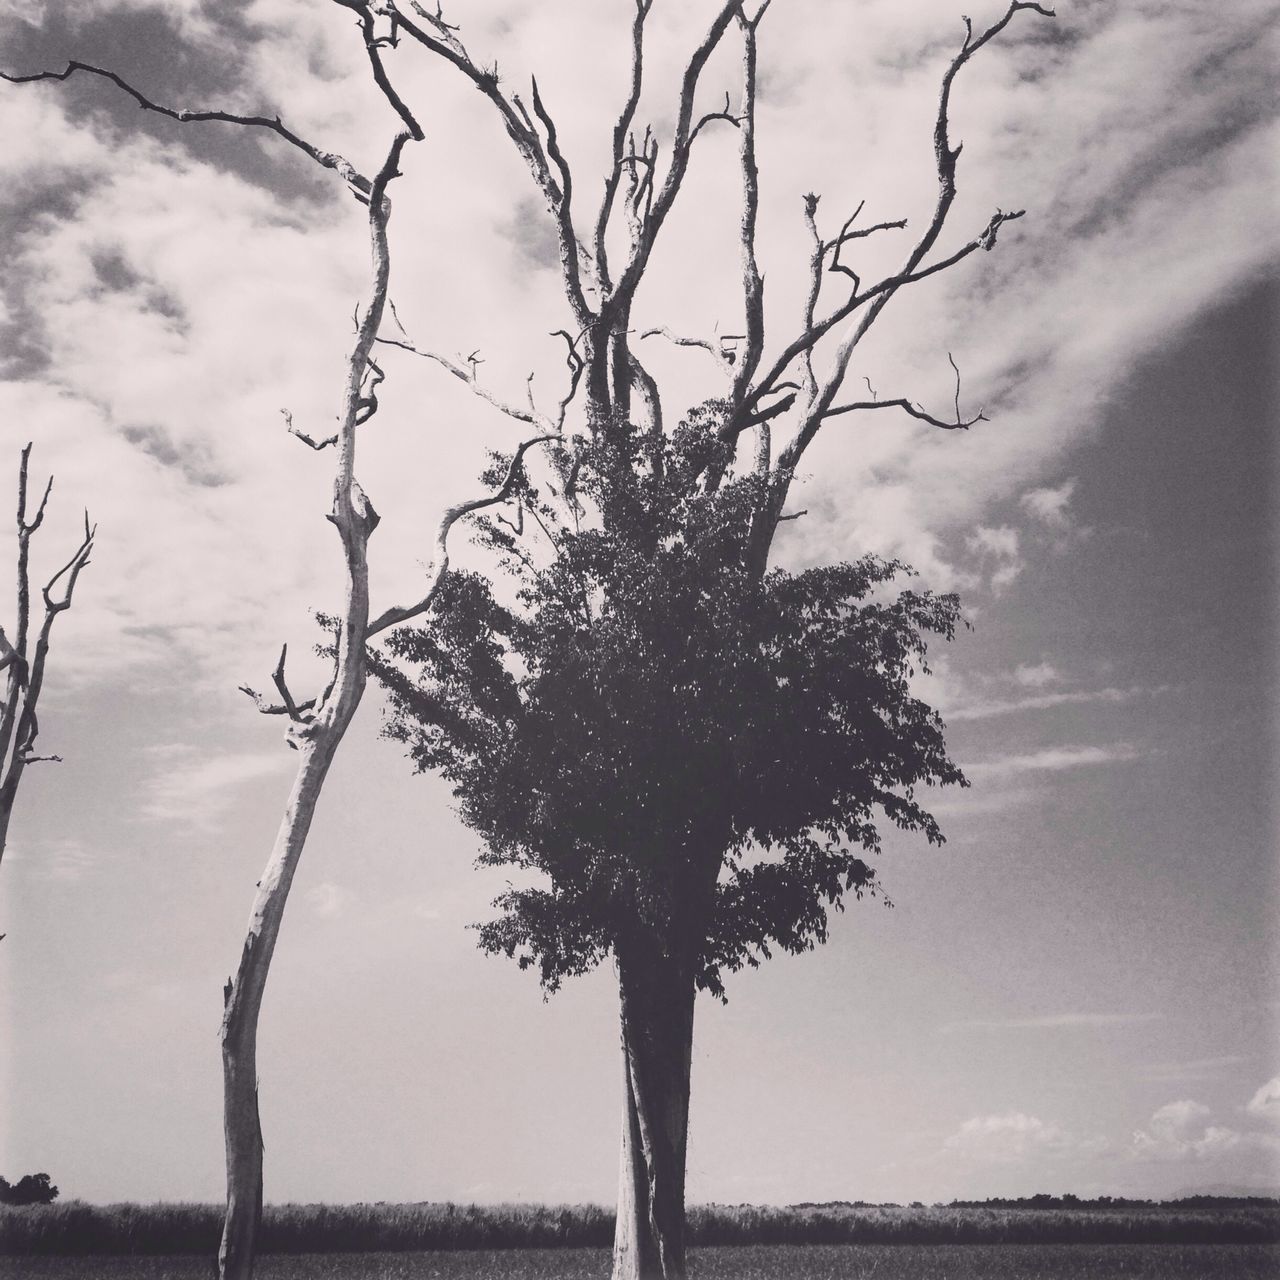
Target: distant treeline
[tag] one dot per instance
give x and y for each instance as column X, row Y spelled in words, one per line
column 78, row 1228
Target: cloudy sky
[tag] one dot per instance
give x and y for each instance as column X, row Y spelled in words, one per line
column 1077, row 993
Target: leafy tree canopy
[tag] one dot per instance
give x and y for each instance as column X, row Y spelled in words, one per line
column 689, row 750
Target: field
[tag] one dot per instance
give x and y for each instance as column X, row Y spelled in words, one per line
column 757, row 1262
column 170, row 1229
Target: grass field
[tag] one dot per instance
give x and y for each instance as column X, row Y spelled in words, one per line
column 757, row 1262
column 165, row 1230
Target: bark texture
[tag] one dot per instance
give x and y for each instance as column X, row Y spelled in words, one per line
column 657, row 1002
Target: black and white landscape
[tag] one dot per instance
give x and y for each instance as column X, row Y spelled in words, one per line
column 605, row 332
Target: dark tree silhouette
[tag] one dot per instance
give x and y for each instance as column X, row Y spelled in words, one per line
column 692, row 754
column 31, row 1188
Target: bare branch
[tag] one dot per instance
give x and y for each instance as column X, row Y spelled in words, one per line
column 724, row 114
column 329, row 159
column 847, row 234
column 71, row 570
column 468, row 376
column 312, row 443
column 373, row 47
column 402, row 613
column 907, row 407
column 752, row 281
column 680, row 149
column 274, row 709
column 878, row 295
column 292, row 709
column 442, row 39
column 715, row 349
column 620, row 132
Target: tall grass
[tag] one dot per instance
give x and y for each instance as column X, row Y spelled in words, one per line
column 78, row 1228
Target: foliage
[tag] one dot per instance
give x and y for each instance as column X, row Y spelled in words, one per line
column 684, row 747
column 31, row 1188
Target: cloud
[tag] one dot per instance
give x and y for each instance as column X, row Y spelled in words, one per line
column 1176, row 1121
column 1265, row 1104
column 1052, row 760
column 1014, row 1137
column 193, row 787
column 997, row 550
column 327, row 900
column 1181, row 1131
column 225, row 300
column 65, row 860
column 1036, row 677
column 1049, row 505
column 1196, row 1069
column 1046, row 701
column 1052, row 1021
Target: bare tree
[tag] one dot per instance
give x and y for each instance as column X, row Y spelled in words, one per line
column 25, row 666
column 316, row 726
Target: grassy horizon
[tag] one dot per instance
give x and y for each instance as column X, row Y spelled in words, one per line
column 78, row 1228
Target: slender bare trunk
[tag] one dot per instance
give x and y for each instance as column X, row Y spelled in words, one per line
column 244, row 1003
column 657, row 998
column 316, row 737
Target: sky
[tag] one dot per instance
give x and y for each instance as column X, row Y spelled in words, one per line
column 1077, row 993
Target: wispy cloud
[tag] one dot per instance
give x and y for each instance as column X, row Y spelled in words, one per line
column 1052, row 1021
column 1050, row 506
column 1195, row 1069
column 193, row 787
column 1052, row 760
column 1046, row 701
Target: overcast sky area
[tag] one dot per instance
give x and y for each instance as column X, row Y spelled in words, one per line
column 1077, row 993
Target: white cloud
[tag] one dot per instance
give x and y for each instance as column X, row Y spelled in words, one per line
column 983, row 710
column 1037, row 676
column 237, row 304
column 1050, row 505
column 1013, row 1137
column 1052, row 760
column 1265, row 1104
column 997, row 549
column 1181, row 1131
column 1176, row 1121
column 193, row 787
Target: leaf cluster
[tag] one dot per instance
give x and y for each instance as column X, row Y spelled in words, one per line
column 688, row 752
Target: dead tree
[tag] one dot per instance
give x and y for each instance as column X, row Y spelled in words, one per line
column 787, row 380
column 23, row 665
column 316, row 726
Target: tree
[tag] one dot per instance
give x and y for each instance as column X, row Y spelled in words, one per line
column 31, row 1188
column 316, row 726
column 705, row 551
column 689, row 747
column 23, row 664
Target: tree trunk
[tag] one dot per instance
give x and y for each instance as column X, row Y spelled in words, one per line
column 657, row 998
column 243, row 1003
